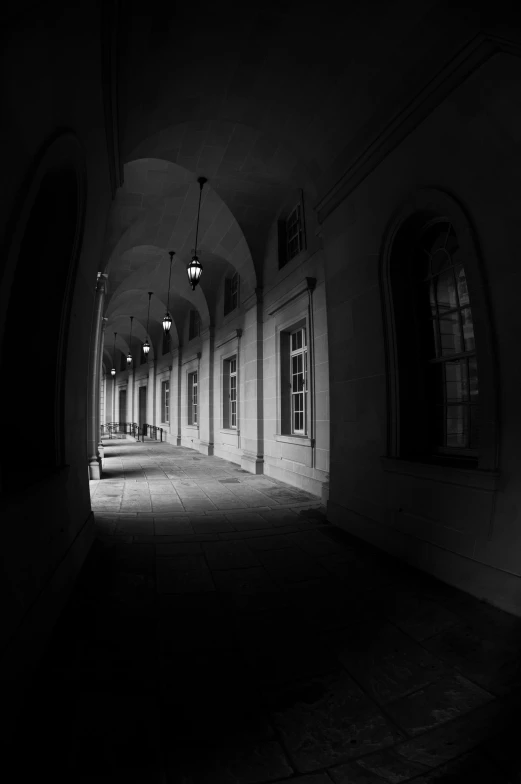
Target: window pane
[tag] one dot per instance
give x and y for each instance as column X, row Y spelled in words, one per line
column 437, row 350
column 456, row 381
column 436, row 382
column 456, row 426
column 474, row 426
column 432, row 298
column 440, row 260
column 473, row 379
column 446, row 291
column 468, row 329
column 461, row 281
column 437, row 426
column 450, row 334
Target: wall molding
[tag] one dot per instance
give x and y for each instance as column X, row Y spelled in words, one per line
column 308, row 284
column 466, row 62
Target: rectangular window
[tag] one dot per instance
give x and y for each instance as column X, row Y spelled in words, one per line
column 230, row 393
column 165, row 401
column 233, row 392
column 194, row 329
column 166, row 342
column 298, row 381
column 231, row 293
column 294, row 234
column 291, row 234
column 192, row 398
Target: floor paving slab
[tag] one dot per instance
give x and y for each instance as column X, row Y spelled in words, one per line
column 247, row 666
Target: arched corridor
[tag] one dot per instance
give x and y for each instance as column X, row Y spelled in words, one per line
column 260, row 481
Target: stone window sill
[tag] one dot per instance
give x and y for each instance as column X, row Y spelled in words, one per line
column 465, row 477
column 230, row 430
column 192, row 427
column 297, row 440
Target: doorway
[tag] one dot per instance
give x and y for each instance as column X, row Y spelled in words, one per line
column 142, row 406
column 122, row 409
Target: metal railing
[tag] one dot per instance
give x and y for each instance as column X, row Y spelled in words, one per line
column 153, row 430
column 119, row 429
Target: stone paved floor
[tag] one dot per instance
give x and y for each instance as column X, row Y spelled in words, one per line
column 222, row 632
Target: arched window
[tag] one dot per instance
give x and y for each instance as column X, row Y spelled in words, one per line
column 442, row 395
column 449, row 350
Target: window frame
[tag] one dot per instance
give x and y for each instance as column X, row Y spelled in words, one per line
column 194, row 324
column 227, row 401
column 287, row 395
column 441, row 358
column 292, row 229
column 165, row 343
column 231, row 293
column 298, row 396
column 193, row 398
column 420, row 207
column 165, row 401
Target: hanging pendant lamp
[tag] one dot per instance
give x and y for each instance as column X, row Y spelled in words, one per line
column 146, row 344
column 195, row 268
column 167, row 319
column 113, row 371
column 129, row 356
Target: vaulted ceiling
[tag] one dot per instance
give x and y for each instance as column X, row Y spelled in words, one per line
column 261, row 102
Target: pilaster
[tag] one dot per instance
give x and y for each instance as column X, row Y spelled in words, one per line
column 94, row 462
column 130, row 396
column 151, row 393
column 251, row 386
column 206, row 407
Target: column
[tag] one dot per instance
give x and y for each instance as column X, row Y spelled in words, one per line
column 250, row 369
column 151, row 393
column 175, row 398
column 101, row 387
column 94, row 462
column 179, row 392
column 205, row 391
column 130, row 395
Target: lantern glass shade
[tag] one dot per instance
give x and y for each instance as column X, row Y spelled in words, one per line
column 113, row 372
column 146, row 347
column 167, row 322
column 194, row 271
column 129, row 359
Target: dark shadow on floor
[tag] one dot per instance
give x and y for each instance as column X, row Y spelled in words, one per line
column 267, row 657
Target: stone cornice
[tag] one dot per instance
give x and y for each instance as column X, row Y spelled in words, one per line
column 235, row 335
column 470, row 57
column 308, row 284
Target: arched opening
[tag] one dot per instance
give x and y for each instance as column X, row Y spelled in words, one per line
column 36, row 331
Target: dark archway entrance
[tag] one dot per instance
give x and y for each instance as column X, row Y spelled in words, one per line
column 36, row 327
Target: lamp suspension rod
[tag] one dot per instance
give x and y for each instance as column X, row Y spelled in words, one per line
column 172, row 254
column 130, row 339
column 148, row 314
column 201, row 181
column 114, row 349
